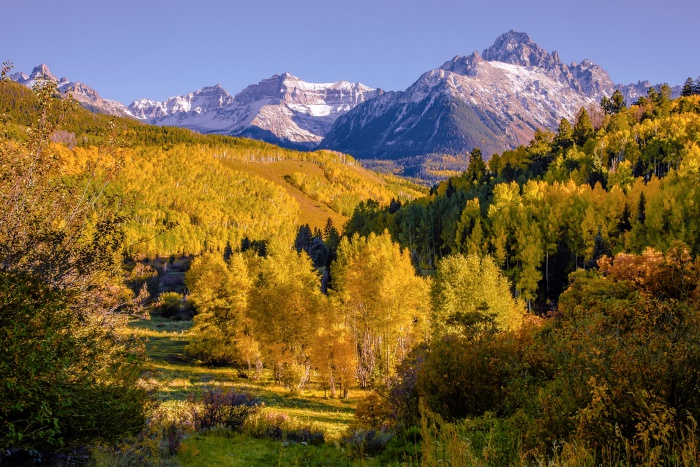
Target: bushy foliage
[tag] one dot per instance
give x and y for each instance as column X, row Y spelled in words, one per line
column 462, row 377
column 69, row 375
column 169, row 304
column 372, row 413
column 361, row 443
column 627, row 338
column 484, row 440
column 217, row 407
column 613, row 377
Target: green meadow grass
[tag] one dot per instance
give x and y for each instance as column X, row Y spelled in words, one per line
column 231, row 449
column 174, row 378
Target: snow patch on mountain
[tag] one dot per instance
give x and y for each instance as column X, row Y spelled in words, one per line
column 282, row 108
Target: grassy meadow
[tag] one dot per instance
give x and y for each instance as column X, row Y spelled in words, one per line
column 174, row 379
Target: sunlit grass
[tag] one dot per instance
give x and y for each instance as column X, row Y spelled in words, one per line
column 175, row 378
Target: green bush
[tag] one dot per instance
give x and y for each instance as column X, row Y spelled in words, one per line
column 361, row 443
column 170, row 304
column 280, row 426
column 65, row 380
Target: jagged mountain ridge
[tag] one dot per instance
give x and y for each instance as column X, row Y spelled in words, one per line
column 282, row 109
column 467, row 102
column 81, row 92
column 494, row 100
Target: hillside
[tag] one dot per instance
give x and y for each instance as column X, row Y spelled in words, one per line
column 592, row 227
column 185, row 192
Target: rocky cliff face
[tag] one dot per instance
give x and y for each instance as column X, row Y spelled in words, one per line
column 493, row 100
column 282, row 109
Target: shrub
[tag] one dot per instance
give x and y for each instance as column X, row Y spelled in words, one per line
column 361, row 443
column 169, row 303
column 143, row 274
column 465, row 378
column 373, row 413
column 222, row 408
column 69, row 376
column 404, row 447
column 403, row 395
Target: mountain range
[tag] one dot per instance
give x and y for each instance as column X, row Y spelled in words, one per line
column 494, row 100
column 282, row 109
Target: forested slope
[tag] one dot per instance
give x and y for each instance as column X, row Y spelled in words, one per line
column 625, row 183
column 185, row 193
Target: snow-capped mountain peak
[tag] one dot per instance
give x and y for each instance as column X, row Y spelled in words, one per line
column 518, row 49
column 42, row 72
column 494, row 100
column 283, row 109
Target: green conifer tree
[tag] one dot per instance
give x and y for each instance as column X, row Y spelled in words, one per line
column 688, row 87
column 583, row 129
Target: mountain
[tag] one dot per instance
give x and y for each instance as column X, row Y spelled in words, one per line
column 282, row 109
column 84, row 94
column 494, row 100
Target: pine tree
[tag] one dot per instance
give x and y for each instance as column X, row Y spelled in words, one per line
column 565, row 135
column 641, row 209
column 618, row 102
column 606, row 104
column 327, row 228
column 613, row 104
column 652, row 95
column 688, row 87
column 394, row 205
column 583, row 129
column 228, row 251
column 600, row 249
column 624, row 224
column 303, row 239
column 663, row 101
column 476, row 171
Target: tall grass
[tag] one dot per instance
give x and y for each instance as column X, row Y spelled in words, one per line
column 490, row 441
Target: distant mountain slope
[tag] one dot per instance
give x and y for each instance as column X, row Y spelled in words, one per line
column 160, row 178
column 493, row 100
column 282, row 109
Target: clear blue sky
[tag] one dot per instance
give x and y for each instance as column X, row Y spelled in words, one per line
column 130, row 49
